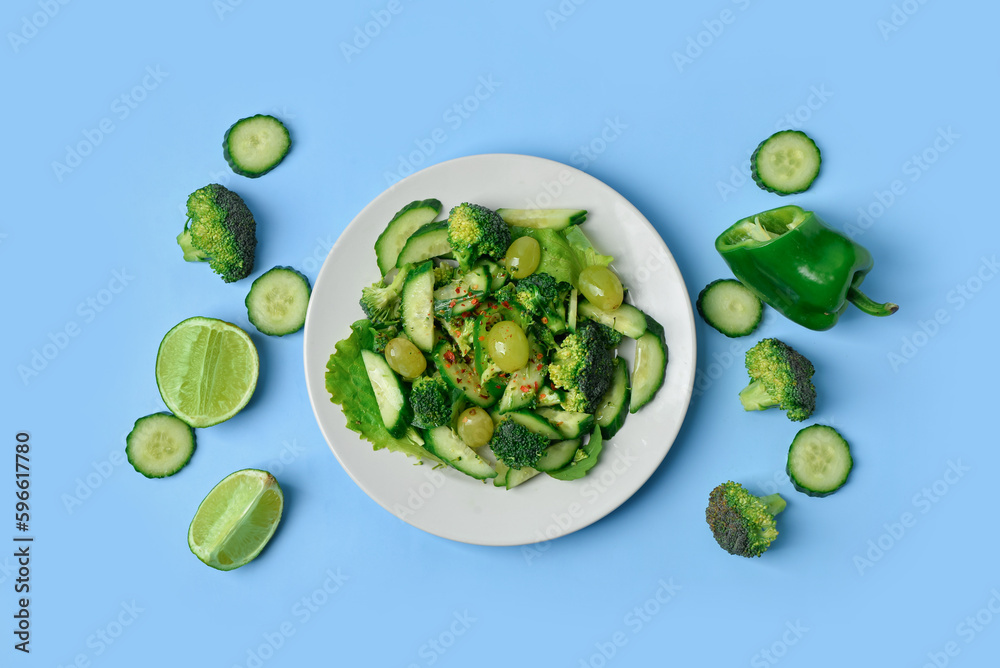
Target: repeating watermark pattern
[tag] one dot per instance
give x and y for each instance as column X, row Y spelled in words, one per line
column 615, row 461
column 586, row 154
column 314, row 260
column 699, row 42
column 957, row 299
column 453, row 117
column 770, row 656
column 635, row 620
column 418, row 495
column 898, row 17
column 967, row 630
column 302, row 611
column 432, row 650
column 121, row 108
column 40, row 357
column 33, row 23
column 706, row 377
column 923, row 502
column 740, row 175
column 364, row 34
column 562, row 12
column 913, row 169
column 224, row 7
column 103, row 638
column 86, row 485
column 290, row 451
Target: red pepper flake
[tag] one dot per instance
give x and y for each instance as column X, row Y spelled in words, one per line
column 539, row 367
column 545, row 320
column 482, row 338
column 506, row 304
column 475, row 301
column 458, row 290
column 525, row 388
column 536, row 385
column 542, row 396
column 449, row 356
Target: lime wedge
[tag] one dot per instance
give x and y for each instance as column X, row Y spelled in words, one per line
column 236, row 519
column 206, row 370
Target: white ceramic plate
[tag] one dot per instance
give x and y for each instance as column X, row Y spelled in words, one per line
column 443, row 501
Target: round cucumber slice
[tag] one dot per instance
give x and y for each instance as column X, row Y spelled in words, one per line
column 728, row 306
column 254, row 146
column 785, row 163
column 277, row 301
column 819, row 460
column 159, row 445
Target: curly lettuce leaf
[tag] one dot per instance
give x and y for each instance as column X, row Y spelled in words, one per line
column 564, row 254
column 348, row 385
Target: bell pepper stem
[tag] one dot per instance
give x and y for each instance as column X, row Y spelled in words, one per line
column 866, row 304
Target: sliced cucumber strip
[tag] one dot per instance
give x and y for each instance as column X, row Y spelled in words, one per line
column 614, row 405
column 446, row 444
column 650, row 366
column 516, row 477
column 502, row 470
column 159, row 445
column 728, row 306
column 585, row 458
column 553, row 219
column 785, row 163
column 277, row 301
column 568, row 423
column 254, row 146
column 429, row 241
column 390, row 393
column 626, row 319
column 536, row 424
column 557, row 455
column 522, row 388
column 459, row 375
column 417, row 306
column 819, row 460
column 407, row 220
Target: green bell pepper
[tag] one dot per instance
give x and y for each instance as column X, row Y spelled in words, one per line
column 805, row 270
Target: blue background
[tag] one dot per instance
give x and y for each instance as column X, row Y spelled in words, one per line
column 885, row 572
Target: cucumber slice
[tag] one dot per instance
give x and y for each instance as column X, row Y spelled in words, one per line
column 407, row 220
column 819, row 460
column 536, row 424
column 522, row 388
column 390, row 393
column 429, row 241
column 159, row 445
column 626, row 319
column 460, row 375
column 568, row 423
column 553, row 219
column 728, row 306
column 613, row 408
column 254, row 146
column 502, row 470
column 463, row 294
column 785, row 163
column 517, row 476
column 277, row 301
column 417, row 306
column 444, row 443
column 557, row 455
column 650, row 365
column 585, row 458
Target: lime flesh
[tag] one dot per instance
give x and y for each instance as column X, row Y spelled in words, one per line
column 236, row 519
column 206, row 370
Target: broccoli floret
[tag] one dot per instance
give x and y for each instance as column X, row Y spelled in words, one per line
column 381, row 335
column 779, row 376
column 430, row 402
column 474, row 231
column 219, row 230
column 540, row 295
column 742, row 523
column 583, row 365
column 461, row 329
column 516, row 446
column 443, row 273
column 380, row 302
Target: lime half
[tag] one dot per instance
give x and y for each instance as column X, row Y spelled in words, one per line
column 206, row 370
column 236, row 519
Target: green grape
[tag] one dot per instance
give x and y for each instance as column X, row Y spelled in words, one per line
column 405, row 358
column 508, row 346
column 601, row 287
column 475, row 427
column 523, row 256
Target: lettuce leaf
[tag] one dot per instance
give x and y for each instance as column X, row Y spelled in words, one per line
column 348, row 385
column 563, row 254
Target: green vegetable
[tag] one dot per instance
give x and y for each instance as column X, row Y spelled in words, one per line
column 583, row 364
column 381, row 302
column 779, row 376
column 159, row 445
column 730, row 308
column 348, row 385
column 584, row 459
column 431, row 402
column 793, row 262
column 254, row 146
column 743, row 524
column 785, row 163
column 516, row 445
column 474, row 231
column 819, row 460
column 556, row 219
column 390, row 393
column 277, row 301
column 543, row 299
column 397, row 232
column 219, row 230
